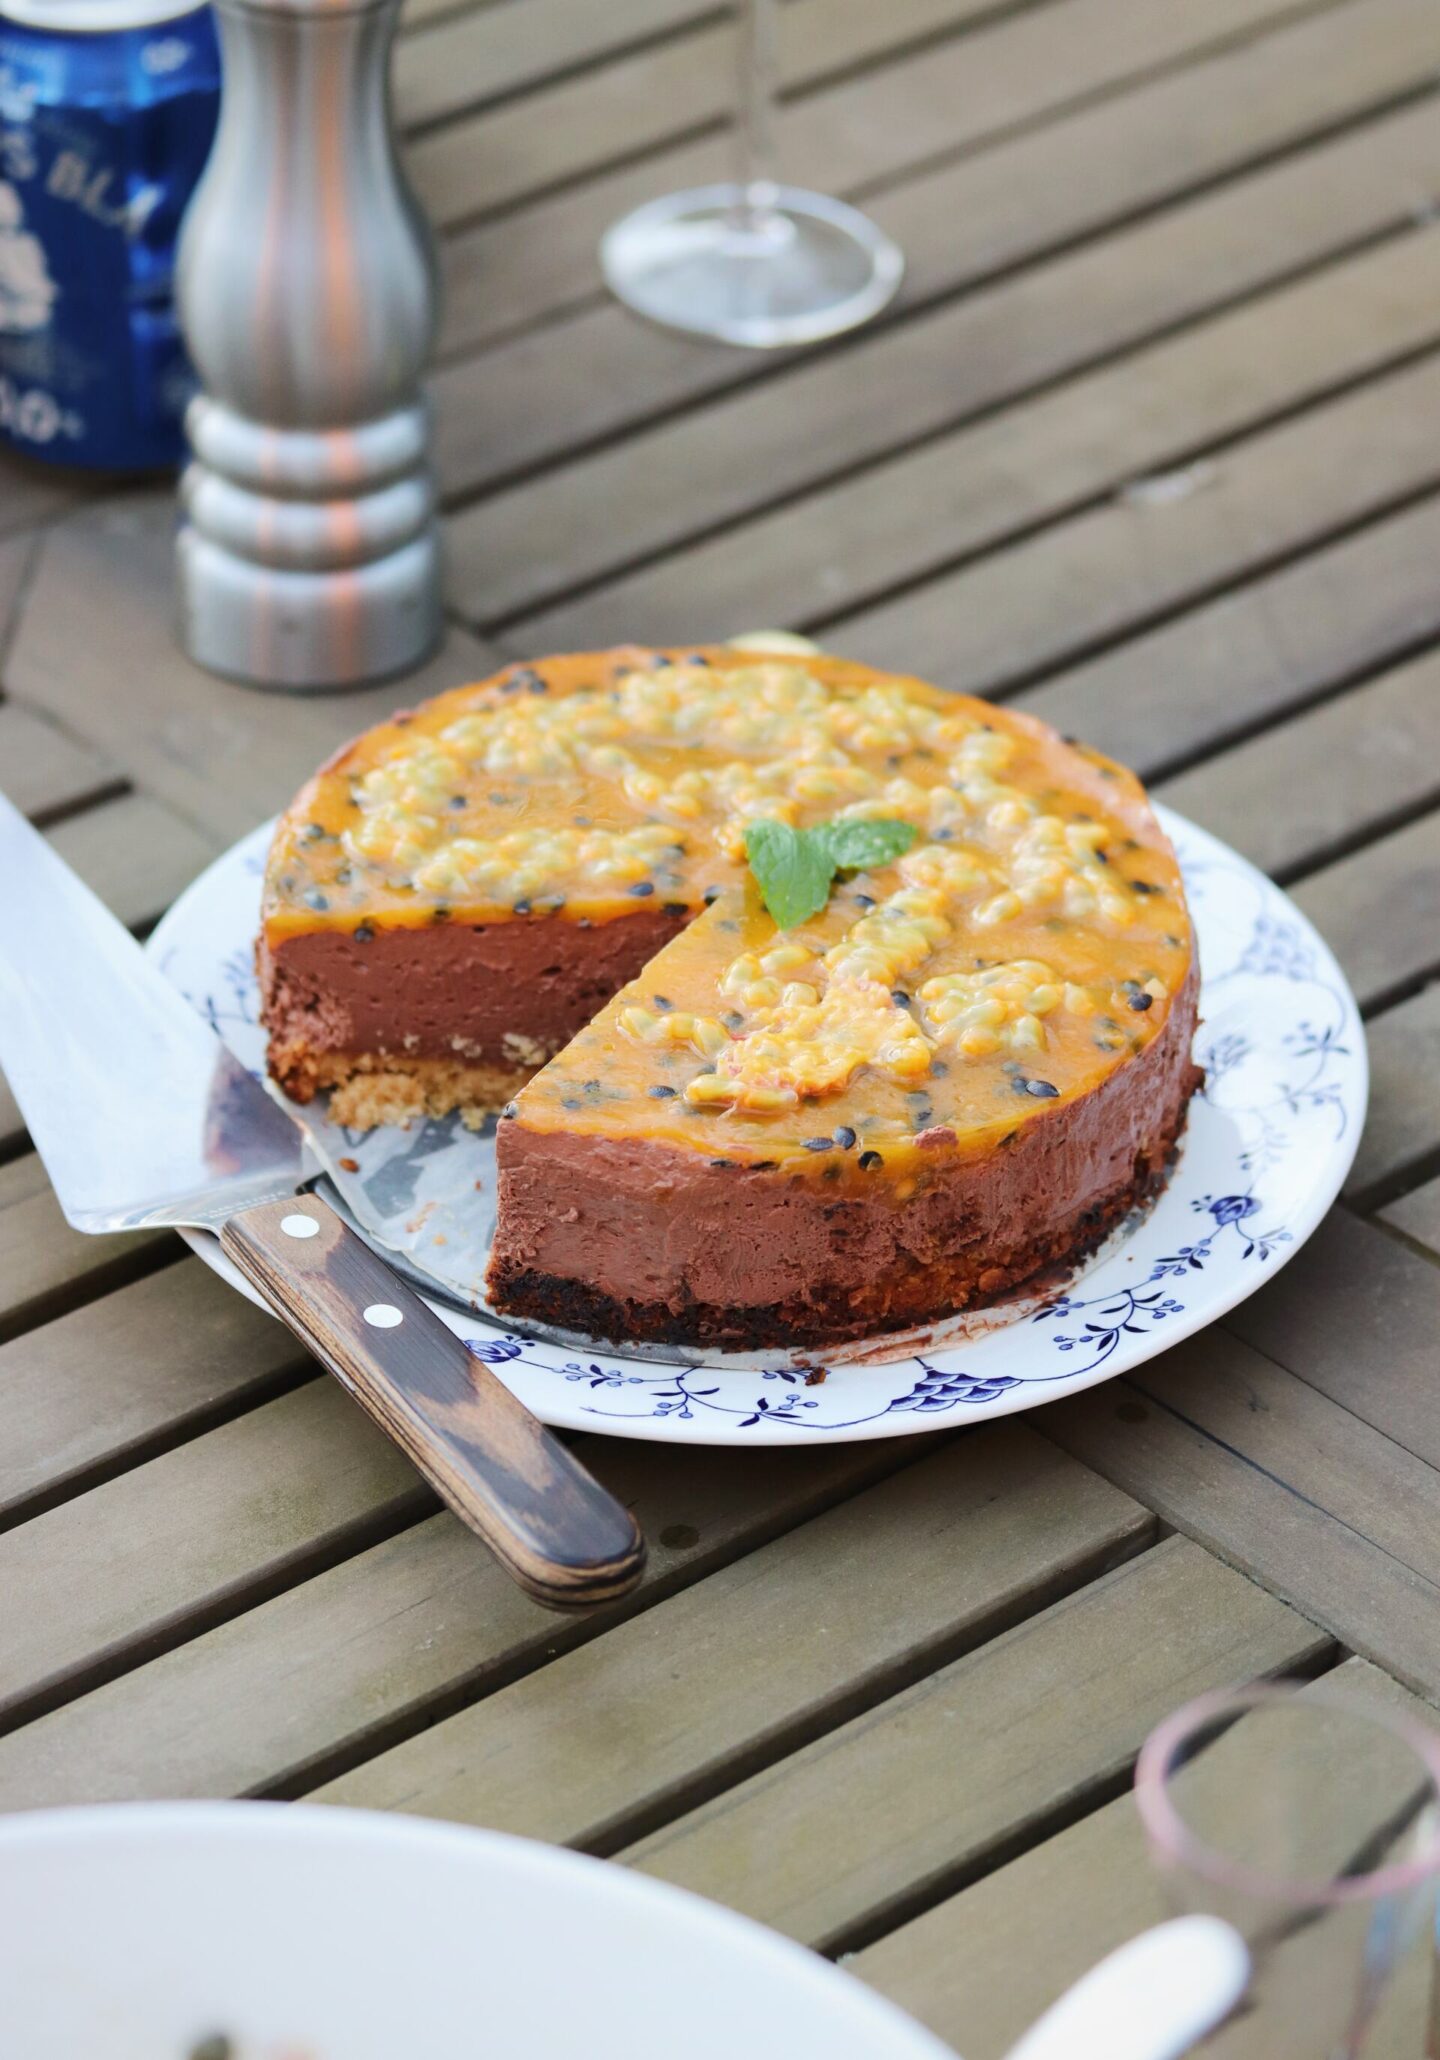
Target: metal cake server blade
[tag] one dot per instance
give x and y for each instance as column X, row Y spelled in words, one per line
column 143, row 1118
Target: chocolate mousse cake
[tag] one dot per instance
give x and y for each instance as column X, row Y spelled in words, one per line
column 961, row 1060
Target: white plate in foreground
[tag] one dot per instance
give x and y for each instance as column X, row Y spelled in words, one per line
column 136, row 1931
column 1268, row 1144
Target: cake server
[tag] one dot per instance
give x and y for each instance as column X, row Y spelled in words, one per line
column 143, row 1117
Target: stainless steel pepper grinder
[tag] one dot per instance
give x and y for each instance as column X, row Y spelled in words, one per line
column 309, row 554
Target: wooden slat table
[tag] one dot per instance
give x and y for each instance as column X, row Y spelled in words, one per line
column 1147, row 446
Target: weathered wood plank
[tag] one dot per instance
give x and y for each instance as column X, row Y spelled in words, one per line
column 43, row 770
column 823, row 557
column 32, row 494
column 417, row 13
column 150, row 1364
column 225, row 755
column 1259, row 1466
column 1402, row 1129
column 943, row 1967
column 1016, row 196
column 649, row 493
column 135, row 853
column 478, row 54
column 1356, row 1316
column 21, row 1181
column 173, row 1545
column 1293, row 798
column 527, row 147
column 1152, row 546
column 978, row 1968
column 716, row 1682
column 1236, row 663
column 1376, row 910
column 348, row 1661
column 15, row 559
column 921, row 1813
column 500, row 277
column 858, row 131
column 493, row 53
column 45, row 1266
column 1418, row 1215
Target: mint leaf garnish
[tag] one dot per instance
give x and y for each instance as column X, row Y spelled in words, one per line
column 794, row 868
column 858, row 842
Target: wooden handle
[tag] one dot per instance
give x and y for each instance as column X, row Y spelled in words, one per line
column 566, row 1541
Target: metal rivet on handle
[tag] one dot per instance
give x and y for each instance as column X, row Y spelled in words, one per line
column 383, row 1315
column 299, row 1226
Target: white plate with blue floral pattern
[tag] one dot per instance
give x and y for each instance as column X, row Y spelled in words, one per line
column 1269, row 1141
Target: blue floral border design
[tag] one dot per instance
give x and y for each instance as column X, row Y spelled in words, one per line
column 675, row 1391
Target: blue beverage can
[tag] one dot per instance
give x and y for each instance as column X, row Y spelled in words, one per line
column 107, row 112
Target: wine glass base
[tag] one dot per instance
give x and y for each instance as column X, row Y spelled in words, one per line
column 799, row 268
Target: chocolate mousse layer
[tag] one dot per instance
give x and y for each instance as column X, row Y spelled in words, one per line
column 624, row 1238
column 481, row 1007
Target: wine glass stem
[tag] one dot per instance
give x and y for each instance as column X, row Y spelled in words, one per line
column 755, row 122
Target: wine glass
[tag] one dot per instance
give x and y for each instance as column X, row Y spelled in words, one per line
column 750, row 261
column 1310, row 1820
